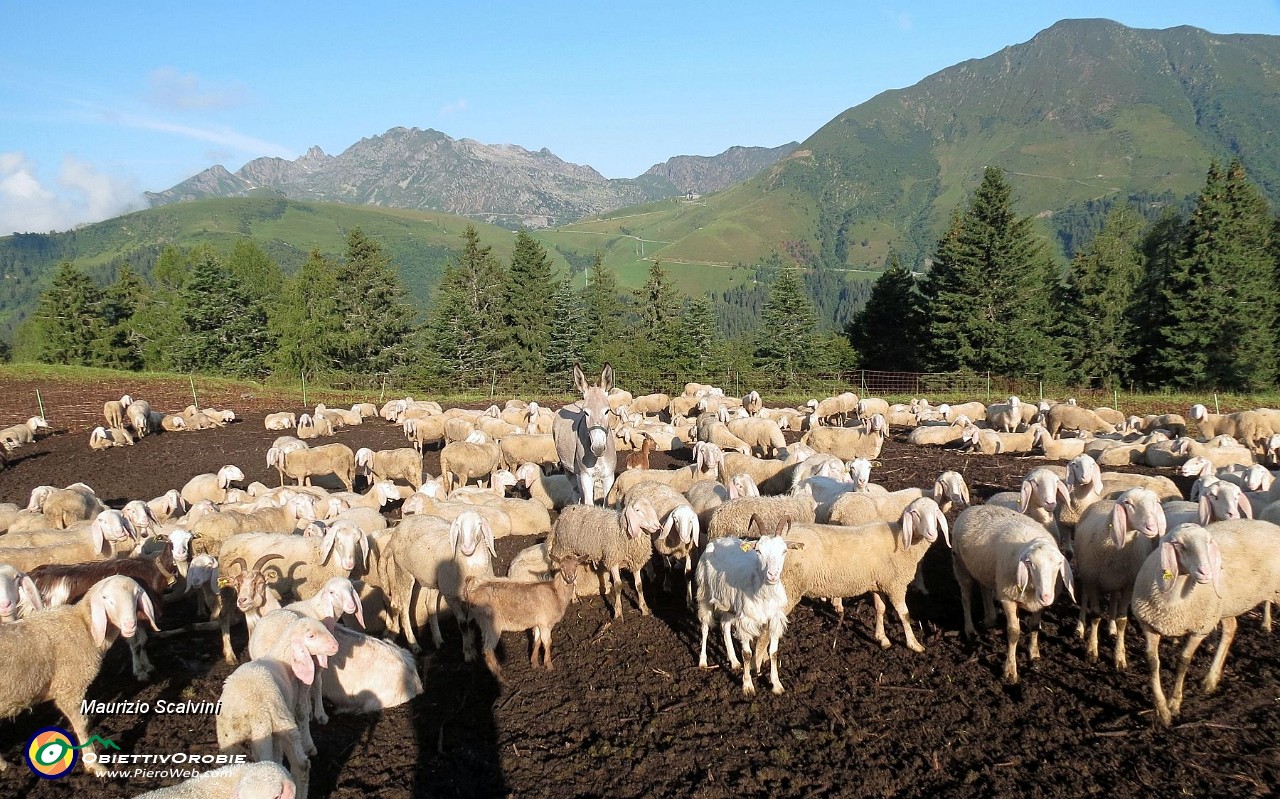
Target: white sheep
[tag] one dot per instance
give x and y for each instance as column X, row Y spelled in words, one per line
column 848, row 443
column 1198, row 578
column 212, row 487
column 114, row 411
column 1112, row 539
column 733, row 517
column 880, row 558
column 1072, row 417
column 552, row 491
column 56, row 654
column 1038, row 499
column 475, row 458
column 283, row 420
column 303, row 464
column 611, row 539
column 101, row 438
column 1005, row 552
column 741, row 582
column 62, row 507
column 263, row 707
column 267, row 780
column 1005, row 416
column 708, row 463
column 17, row 593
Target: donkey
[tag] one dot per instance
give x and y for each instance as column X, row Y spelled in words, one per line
column 584, row 440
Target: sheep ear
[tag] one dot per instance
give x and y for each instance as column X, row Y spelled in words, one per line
column 908, row 528
column 33, row 594
column 1025, row 499
column 359, row 612
column 99, row 537
column 304, row 668
column 667, row 525
column 487, row 529
column 1168, row 566
column 942, row 525
column 144, row 605
column 98, row 619
column 1215, row 565
column 364, row 551
column 326, row 545
column 1063, row 493
column 1206, row 509
column 964, row 492
column 1024, row 574
column 1095, row 476
column 1068, row 579
column 1246, row 509
column 1119, row 525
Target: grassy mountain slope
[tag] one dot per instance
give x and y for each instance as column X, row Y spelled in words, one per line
column 1086, row 109
column 420, row 243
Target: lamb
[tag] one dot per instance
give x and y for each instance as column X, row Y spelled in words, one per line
column 1018, row 443
column 438, row 557
column 168, row 421
column 1058, row 449
column 56, row 654
column 708, row 463
column 1038, row 499
column 982, row 441
column 1003, row 551
column 1173, row 423
column 404, row 463
column 473, row 459
column 733, row 517
column 21, row 434
column 303, row 464
column 139, row 413
column 101, row 438
column 763, row 434
column 212, row 487
column 310, row 427
column 1072, row 417
column 835, row 410
column 1112, row 540
column 263, row 707
column 284, row 420
column 552, row 491
column 849, row 443
column 501, row 606
column 62, row 507
column 611, row 540
column 1004, row 417
column 267, row 780
column 741, row 581
column 879, row 557
column 1220, row 455
column 424, row 430
column 868, row 407
column 938, row 435
column 976, row 411
column 114, row 411
column 1198, row 578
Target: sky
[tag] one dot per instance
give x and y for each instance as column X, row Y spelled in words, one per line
column 102, row 101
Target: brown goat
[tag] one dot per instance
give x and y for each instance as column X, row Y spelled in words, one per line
column 639, row 459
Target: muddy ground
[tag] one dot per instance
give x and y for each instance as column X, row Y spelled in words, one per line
column 627, row 713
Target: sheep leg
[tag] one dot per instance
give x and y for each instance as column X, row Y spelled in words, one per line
column 1033, row 624
column 463, row 617
column 900, row 607
column 688, row 581
column 299, row 763
column 302, row 712
column 1153, row 664
column 1266, row 617
column 433, row 618
column 406, row 618
column 1091, row 642
column 635, row 576
column 704, row 622
column 70, row 707
column 616, row 576
column 1184, row 662
column 726, row 625
column 142, row 667
column 1013, row 632
column 1122, row 655
column 1220, row 657
column 880, row 637
column 965, row 581
column 317, row 701
column 988, row 607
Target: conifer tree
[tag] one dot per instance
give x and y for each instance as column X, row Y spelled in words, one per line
column 306, row 324
column 528, row 316
column 887, row 331
column 988, row 293
column 68, row 318
column 1222, row 296
column 460, row 330
column 1098, row 296
column 786, row 342
column 603, row 309
column 567, row 343
column 1150, row 303
column 116, row 346
column 659, row 306
column 376, row 319
column 224, row 330
column 699, row 341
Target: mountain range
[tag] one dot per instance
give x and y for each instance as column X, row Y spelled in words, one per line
column 500, row 183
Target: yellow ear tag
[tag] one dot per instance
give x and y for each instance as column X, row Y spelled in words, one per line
column 1168, row 575
column 746, row 546
column 223, row 582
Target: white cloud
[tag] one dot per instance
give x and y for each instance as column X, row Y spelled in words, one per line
column 452, row 108
column 185, row 91
column 83, row 194
column 220, row 135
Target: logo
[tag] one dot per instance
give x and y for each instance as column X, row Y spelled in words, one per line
column 50, row 753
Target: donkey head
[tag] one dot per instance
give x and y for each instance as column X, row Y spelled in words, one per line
column 595, row 405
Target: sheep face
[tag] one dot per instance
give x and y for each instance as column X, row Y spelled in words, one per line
column 339, row 596
column 341, row 541
column 14, row 585
column 923, row 516
column 139, row 515
column 1189, row 549
column 1039, row 567
column 860, row 473
column 118, row 601
column 1045, row 486
column 1137, row 509
column 228, row 475
column 309, row 639
column 1222, row 501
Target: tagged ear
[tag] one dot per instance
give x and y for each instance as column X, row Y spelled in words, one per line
column 1068, row 579
column 1025, row 498
column 1168, row 566
column 304, row 668
column 1119, row 524
column 98, row 619
column 1024, row 575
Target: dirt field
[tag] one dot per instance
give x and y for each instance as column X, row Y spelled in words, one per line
column 628, row 714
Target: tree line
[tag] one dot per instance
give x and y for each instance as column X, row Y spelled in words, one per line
column 237, row 313
column 1181, row 302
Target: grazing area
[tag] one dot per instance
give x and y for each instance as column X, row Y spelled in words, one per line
column 626, row 712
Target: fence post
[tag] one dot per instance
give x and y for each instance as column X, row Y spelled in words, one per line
column 1115, row 398
column 1216, row 409
column 1042, row 390
column 303, row 374
column 382, row 395
column 493, row 385
column 194, row 400
column 40, row 402
column 988, row 388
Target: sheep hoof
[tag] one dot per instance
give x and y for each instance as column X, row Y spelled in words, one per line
column 1011, row 677
column 778, row 690
column 916, row 647
column 142, row 675
column 321, row 718
column 884, row 643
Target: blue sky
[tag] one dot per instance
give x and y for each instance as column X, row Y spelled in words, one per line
column 101, row 101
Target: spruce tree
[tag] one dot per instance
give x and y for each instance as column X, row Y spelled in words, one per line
column 1097, row 301
column 786, row 342
column 1221, row 294
column 1149, row 307
column 659, row 306
column 988, row 295
column 460, row 331
column 116, row 346
column 68, row 318
column 376, row 320
column 305, row 323
column 528, row 315
column 699, row 344
column 603, row 307
column 887, row 331
column 224, row 330
column 567, row 343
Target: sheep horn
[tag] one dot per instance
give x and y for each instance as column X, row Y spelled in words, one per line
column 262, row 561
column 243, row 566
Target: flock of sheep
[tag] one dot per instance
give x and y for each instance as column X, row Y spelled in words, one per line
column 327, row 585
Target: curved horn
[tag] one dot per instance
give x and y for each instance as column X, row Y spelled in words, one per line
column 243, row 566
column 262, row 561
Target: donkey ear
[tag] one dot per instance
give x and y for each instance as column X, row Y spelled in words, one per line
column 579, row 379
column 606, row 377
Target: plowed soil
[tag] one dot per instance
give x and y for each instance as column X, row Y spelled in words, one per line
column 627, row 713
